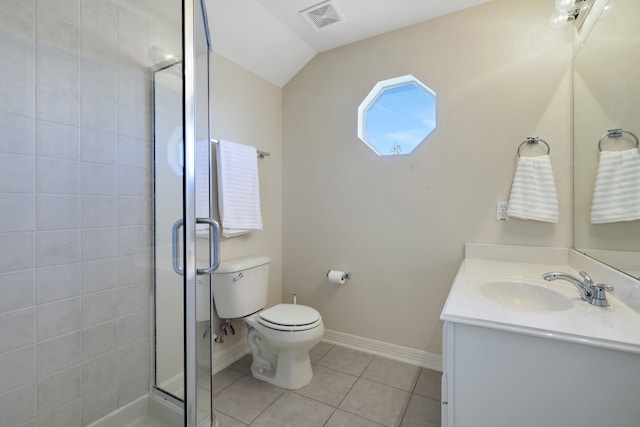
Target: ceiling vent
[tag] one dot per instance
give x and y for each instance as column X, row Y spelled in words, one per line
column 322, row 14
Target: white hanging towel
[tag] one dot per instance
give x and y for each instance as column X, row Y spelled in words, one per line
column 238, row 188
column 533, row 192
column 203, row 160
column 616, row 196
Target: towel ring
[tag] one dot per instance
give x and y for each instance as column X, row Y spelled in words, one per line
column 616, row 133
column 533, row 140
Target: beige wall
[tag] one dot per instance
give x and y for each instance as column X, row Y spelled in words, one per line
column 248, row 110
column 399, row 223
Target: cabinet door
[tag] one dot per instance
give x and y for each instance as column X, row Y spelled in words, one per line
column 446, row 413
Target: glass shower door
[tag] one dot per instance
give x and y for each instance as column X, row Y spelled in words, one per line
column 180, row 91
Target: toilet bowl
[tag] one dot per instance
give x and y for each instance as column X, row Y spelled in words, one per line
column 279, row 337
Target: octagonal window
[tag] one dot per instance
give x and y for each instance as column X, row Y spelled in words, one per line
column 397, row 115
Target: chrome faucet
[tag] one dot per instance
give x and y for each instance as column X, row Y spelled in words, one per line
column 592, row 293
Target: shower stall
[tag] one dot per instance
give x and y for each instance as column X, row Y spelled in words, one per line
column 101, row 104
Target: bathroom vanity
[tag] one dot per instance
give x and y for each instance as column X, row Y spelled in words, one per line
column 521, row 351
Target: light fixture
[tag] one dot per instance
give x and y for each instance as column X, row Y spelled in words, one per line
column 567, row 10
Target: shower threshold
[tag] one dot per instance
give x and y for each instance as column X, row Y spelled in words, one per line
column 147, row 411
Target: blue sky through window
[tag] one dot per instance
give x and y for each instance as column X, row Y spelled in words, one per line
column 400, row 118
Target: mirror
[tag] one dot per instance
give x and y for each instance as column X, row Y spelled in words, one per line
column 606, row 96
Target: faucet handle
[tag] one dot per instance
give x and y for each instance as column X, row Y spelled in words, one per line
column 587, row 279
column 599, row 297
column 603, row 287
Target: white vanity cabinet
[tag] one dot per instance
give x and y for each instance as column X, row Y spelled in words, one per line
column 506, row 378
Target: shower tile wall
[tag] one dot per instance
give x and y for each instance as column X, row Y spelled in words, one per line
column 75, row 205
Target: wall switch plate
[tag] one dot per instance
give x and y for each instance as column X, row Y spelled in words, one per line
column 501, row 211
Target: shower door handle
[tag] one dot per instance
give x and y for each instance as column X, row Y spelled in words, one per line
column 214, row 241
column 174, row 247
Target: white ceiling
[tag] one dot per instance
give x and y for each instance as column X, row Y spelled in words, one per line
column 272, row 39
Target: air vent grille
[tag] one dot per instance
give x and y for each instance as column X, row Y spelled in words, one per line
column 321, row 15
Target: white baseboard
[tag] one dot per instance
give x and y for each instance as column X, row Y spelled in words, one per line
column 225, row 356
column 383, row 349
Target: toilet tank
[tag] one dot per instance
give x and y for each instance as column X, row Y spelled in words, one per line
column 240, row 285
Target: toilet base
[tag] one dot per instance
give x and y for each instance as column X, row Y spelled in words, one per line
column 293, row 370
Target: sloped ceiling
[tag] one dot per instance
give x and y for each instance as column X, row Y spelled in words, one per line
column 271, row 38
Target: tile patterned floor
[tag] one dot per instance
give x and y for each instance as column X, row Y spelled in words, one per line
column 349, row 389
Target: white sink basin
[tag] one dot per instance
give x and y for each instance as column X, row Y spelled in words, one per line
column 525, row 296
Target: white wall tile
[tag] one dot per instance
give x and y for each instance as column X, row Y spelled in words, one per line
column 57, row 105
column 16, row 329
column 133, row 357
column 99, row 147
column 100, row 32
column 98, row 114
column 17, row 368
column 16, row 173
column 133, row 39
column 134, row 210
column 16, row 290
column 57, row 247
column 21, row 20
column 134, row 240
column 133, row 181
column 18, row 212
column 99, row 307
column 134, row 298
column 55, row 176
column 99, row 275
column 16, row 95
column 17, row 406
column 58, row 389
column 99, row 179
column 58, row 25
column 134, row 123
column 55, row 68
column 99, row 372
column 134, row 89
column 57, row 211
column 57, row 140
column 68, row 415
column 133, row 328
column 99, row 48
column 57, row 283
column 16, row 55
column 17, row 251
column 99, row 81
column 133, row 386
column 99, row 339
column 57, row 354
column 134, row 152
column 99, row 403
column 57, row 318
column 99, row 211
column 99, row 243
column 17, row 134
column 134, row 268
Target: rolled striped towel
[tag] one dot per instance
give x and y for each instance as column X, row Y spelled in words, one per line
column 616, row 196
column 533, row 192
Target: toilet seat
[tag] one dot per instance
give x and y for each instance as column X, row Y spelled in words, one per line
column 289, row 317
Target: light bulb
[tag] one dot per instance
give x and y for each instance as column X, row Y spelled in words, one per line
column 565, row 5
column 558, row 19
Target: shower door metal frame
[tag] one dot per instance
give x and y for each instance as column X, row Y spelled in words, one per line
column 190, row 268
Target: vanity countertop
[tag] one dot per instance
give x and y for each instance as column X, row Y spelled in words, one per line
column 616, row 327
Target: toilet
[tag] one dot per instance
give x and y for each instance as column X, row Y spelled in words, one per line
column 279, row 337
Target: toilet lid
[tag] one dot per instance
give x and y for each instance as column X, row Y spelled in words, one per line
column 289, row 317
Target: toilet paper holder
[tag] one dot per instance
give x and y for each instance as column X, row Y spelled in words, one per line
column 347, row 275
